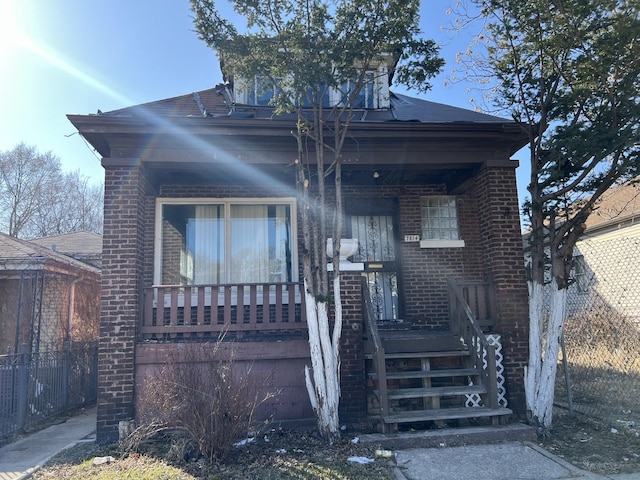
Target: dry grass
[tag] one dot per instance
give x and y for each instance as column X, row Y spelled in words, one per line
column 276, row 455
column 593, row 445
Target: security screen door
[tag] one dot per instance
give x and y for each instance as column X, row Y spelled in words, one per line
column 377, row 250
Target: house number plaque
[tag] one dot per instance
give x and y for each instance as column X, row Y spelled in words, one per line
column 411, row 238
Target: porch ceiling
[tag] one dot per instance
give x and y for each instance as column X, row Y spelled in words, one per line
column 452, row 176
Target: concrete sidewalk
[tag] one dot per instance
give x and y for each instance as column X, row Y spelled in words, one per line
column 500, row 461
column 512, row 460
column 19, row 459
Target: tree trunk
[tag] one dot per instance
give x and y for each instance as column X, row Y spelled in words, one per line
column 540, row 374
column 323, row 378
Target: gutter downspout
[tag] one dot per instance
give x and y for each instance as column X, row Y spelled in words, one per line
column 72, row 301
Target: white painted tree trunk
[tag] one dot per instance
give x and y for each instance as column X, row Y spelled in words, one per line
column 540, row 375
column 323, row 378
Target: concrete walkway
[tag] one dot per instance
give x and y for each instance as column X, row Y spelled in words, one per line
column 504, row 461
column 19, row 459
column 501, row 461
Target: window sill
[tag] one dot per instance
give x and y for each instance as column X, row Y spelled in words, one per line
column 441, row 243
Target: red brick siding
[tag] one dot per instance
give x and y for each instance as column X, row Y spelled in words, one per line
column 123, row 250
column 501, row 247
column 353, row 401
column 492, row 249
column 425, row 271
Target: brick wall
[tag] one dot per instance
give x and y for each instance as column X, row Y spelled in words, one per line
column 353, row 400
column 489, row 225
column 502, row 255
column 123, row 242
column 424, row 272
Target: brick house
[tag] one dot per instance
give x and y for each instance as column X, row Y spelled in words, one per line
column 201, row 235
column 48, row 296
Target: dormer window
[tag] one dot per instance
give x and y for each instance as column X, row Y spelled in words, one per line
column 262, row 90
column 366, row 98
column 374, row 93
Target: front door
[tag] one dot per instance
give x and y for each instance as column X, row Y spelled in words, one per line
column 377, row 250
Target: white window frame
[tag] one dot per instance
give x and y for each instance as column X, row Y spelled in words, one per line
column 380, row 94
column 226, row 202
column 440, row 243
column 380, row 90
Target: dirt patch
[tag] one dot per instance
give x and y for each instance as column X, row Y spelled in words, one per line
column 283, row 454
column 280, row 454
column 593, row 445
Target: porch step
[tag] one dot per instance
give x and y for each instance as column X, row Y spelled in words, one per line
column 445, row 414
column 405, row 393
column 442, row 373
column 422, row 354
column 408, row 342
column 424, row 378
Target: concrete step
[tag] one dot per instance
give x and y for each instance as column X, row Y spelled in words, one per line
column 451, row 437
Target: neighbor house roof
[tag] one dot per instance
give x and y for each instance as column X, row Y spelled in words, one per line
column 616, row 208
column 17, row 254
column 83, row 246
column 72, row 244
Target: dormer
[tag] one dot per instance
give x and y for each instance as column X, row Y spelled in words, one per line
column 373, row 95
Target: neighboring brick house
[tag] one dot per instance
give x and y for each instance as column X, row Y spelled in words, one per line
column 201, row 234
column 47, row 297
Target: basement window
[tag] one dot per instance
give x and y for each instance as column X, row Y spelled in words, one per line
column 439, row 215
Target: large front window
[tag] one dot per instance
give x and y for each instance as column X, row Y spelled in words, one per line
column 210, row 242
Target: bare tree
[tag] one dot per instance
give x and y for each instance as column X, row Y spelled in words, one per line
column 76, row 205
column 38, row 199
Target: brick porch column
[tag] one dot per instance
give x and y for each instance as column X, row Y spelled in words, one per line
column 503, row 260
column 353, row 400
column 121, row 283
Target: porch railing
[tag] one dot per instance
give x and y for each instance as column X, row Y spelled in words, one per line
column 173, row 311
column 378, row 357
column 465, row 325
column 478, row 295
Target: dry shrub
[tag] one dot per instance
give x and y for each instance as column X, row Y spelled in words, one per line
column 602, row 329
column 199, row 392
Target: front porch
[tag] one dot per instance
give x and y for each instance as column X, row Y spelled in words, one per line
column 212, row 310
column 392, row 373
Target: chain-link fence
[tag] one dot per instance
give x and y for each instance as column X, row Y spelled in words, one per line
column 602, row 333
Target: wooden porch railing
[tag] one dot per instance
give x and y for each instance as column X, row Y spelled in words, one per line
column 464, row 324
column 378, row 349
column 173, row 311
column 480, row 299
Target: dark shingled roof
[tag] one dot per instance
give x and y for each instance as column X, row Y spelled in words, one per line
column 216, row 102
column 197, row 104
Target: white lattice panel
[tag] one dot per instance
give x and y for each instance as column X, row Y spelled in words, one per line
column 474, row 400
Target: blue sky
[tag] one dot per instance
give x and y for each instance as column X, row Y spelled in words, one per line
column 77, row 56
